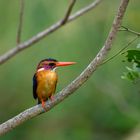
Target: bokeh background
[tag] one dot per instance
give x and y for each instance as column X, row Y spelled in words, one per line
column 105, row 107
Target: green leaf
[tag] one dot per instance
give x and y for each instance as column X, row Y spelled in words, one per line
column 131, row 75
column 136, row 68
column 133, row 56
column 138, row 46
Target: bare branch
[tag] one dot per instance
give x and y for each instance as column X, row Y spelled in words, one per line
column 20, row 21
column 74, row 85
column 44, row 33
column 129, row 30
column 68, row 12
column 121, row 50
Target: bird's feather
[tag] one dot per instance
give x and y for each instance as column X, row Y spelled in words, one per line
column 34, row 86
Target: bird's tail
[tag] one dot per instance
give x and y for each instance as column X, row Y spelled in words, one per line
column 39, row 102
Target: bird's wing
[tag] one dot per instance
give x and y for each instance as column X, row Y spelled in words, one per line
column 55, row 86
column 34, row 86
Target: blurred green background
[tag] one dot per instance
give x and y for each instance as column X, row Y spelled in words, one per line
column 104, row 108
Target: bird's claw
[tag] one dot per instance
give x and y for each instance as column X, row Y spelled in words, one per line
column 52, row 98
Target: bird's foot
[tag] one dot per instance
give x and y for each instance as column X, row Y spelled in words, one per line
column 43, row 105
column 52, row 98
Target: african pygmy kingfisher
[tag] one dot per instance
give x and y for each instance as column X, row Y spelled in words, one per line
column 45, row 79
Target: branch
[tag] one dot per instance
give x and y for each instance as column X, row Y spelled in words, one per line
column 74, row 85
column 126, row 46
column 46, row 32
column 64, row 20
column 121, row 50
column 20, row 21
column 129, row 30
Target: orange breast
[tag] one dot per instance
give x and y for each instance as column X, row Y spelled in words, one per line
column 46, row 84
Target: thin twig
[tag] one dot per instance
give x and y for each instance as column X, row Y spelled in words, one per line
column 129, row 30
column 74, row 85
column 19, row 31
column 12, row 52
column 121, row 50
column 68, row 12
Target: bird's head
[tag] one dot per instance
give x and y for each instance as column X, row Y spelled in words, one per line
column 51, row 64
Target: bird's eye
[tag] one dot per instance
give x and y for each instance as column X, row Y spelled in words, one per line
column 51, row 64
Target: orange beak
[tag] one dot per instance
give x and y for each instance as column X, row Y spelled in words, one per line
column 58, row 64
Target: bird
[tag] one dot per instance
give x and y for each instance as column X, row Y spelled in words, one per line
column 45, row 79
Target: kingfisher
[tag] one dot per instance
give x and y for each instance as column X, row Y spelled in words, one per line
column 45, row 79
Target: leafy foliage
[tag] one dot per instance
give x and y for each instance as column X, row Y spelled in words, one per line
column 132, row 74
column 138, row 46
column 134, row 56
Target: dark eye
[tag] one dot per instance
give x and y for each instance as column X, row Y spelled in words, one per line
column 51, row 64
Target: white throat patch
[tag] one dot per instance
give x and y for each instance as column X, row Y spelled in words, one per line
column 54, row 69
column 41, row 69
